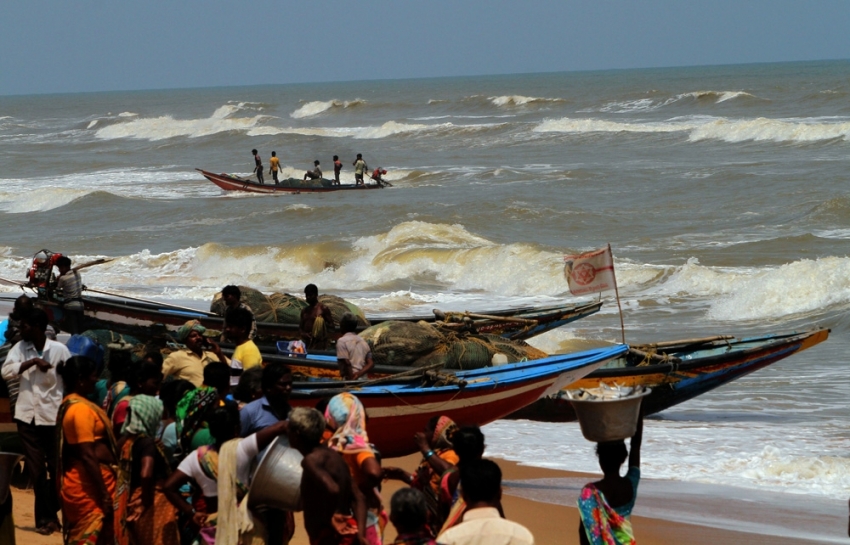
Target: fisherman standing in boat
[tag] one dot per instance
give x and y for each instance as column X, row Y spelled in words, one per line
column 316, row 320
column 359, row 169
column 337, row 169
column 258, row 166
column 232, row 297
column 69, row 286
column 316, row 173
column 274, row 166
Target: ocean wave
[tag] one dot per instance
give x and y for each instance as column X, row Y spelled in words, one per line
column 316, row 107
column 40, row 200
column 772, row 130
column 520, row 100
column 390, row 128
column 579, row 126
column 164, row 127
column 648, row 104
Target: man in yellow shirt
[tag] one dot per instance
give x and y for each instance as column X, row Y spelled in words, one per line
column 238, row 331
column 274, row 166
column 189, row 363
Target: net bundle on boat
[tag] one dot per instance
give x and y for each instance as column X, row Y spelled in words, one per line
column 298, row 182
column 408, row 344
column 283, row 308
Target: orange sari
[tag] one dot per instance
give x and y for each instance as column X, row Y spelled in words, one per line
column 81, row 421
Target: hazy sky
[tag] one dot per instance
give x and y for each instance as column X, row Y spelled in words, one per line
column 99, row 45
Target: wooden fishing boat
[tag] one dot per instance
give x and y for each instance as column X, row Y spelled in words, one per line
column 147, row 319
column 398, row 407
column 678, row 370
column 234, row 183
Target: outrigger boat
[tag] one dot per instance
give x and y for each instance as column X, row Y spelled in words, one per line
column 147, row 318
column 678, row 370
column 397, row 406
column 229, row 182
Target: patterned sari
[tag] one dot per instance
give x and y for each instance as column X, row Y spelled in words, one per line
column 84, row 521
column 439, row 503
column 602, row 524
column 155, row 524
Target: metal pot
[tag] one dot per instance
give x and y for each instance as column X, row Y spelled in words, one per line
column 604, row 420
column 277, row 480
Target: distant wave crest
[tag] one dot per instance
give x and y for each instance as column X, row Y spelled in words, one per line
column 316, row 107
column 520, row 100
column 164, row 127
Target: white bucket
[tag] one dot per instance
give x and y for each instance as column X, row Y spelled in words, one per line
column 604, row 420
column 277, row 480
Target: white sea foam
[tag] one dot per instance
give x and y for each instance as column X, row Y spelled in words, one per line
column 390, row 128
column 92, row 123
column 580, row 125
column 520, row 100
column 775, row 130
column 316, row 107
column 127, row 114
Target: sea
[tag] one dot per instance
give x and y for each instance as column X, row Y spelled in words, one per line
column 723, row 191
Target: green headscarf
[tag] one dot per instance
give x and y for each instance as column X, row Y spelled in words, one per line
column 188, row 327
column 144, row 416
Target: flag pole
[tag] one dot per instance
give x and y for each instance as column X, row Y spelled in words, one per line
column 617, row 293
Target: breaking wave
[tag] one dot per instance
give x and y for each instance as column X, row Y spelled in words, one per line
column 389, row 128
column 164, row 127
column 519, row 100
column 316, row 107
column 650, row 104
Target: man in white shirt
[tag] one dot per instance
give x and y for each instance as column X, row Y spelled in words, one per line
column 481, row 486
column 33, row 360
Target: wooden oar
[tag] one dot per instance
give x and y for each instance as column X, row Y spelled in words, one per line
column 157, row 303
column 14, row 282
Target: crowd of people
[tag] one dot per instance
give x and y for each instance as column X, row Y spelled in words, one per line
column 162, row 451
column 360, row 169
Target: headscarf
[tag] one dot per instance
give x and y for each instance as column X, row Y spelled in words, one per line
column 347, row 417
column 144, row 417
column 443, row 432
column 188, row 327
column 191, row 411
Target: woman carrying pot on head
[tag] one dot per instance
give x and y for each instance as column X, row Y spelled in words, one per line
column 606, row 506
column 87, row 456
column 222, row 471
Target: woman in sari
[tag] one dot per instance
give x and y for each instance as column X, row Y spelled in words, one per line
column 347, row 417
column 201, row 467
column 438, row 457
column 86, row 465
column 145, row 379
column 191, row 418
column 605, row 506
column 142, row 506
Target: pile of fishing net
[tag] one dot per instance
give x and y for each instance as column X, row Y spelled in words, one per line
column 298, row 182
column 409, row 344
column 283, row 308
column 112, row 342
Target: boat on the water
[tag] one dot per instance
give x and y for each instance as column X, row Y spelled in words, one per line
column 229, row 182
column 397, row 407
column 146, row 319
column 677, row 371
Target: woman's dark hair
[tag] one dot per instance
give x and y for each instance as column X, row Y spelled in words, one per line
column 217, row 375
column 75, row 368
column 408, row 510
column 250, row 383
column 611, row 454
column 468, row 443
column 172, row 392
column 224, row 422
column 120, row 366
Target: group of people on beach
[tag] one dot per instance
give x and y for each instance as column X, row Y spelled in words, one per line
column 360, row 169
column 162, row 451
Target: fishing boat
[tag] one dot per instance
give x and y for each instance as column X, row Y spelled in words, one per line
column 677, row 371
column 145, row 319
column 399, row 405
column 229, row 182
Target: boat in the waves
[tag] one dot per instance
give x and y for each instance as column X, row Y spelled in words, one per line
column 677, row 371
column 145, row 319
column 398, row 406
column 229, row 182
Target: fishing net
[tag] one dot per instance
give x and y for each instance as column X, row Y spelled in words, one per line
column 280, row 308
column 112, row 342
column 339, row 306
column 283, row 308
column 297, row 182
column 408, row 344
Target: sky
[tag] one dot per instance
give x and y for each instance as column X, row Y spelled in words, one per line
column 52, row 46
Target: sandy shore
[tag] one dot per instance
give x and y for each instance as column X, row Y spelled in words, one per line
column 550, row 523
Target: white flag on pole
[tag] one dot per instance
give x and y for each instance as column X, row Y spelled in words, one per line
column 591, row 272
